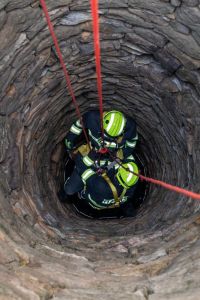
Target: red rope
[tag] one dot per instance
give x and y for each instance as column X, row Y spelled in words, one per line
column 170, row 187
column 68, row 82
column 95, row 18
column 94, row 6
column 159, row 182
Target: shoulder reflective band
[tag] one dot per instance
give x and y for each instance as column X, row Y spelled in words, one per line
column 113, row 189
column 78, row 123
column 87, row 174
column 131, row 144
column 87, row 161
column 74, row 129
column 131, row 157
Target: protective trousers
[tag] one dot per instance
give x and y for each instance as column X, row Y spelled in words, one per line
column 74, row 183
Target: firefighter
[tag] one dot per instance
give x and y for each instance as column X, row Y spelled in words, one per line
column 103, row 188
column 119, row 132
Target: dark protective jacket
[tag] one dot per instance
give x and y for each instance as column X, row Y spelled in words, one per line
column 97, row 191
column 91, row 122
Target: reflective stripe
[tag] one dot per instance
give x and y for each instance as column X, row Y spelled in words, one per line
column 108, row 201
column 67, row 143
column 122, row 126
column 93, row 206
column 130, row 175
column 102, row 162
column 94, row 203
column 78, row 123
column 75, row 130
column 87, row 174
column 131, row 157
column 95, row 139
column 131, row 144
column 124, row 199
column 113, row 145
column 117, row 166
column 112, row 118
column 87, row 161
column 110, row 144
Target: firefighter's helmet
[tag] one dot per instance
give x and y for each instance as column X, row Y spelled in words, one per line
column 126, row 174
column 114, row 123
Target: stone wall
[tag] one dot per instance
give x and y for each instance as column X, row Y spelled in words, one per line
column 150, row 69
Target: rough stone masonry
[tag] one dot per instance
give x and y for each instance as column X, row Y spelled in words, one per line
column 150, row 69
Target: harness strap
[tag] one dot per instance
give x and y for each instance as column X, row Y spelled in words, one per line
column 113, row 189
column 123, row 193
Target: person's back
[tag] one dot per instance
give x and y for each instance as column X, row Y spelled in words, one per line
column 99, row 194
column 119, row 132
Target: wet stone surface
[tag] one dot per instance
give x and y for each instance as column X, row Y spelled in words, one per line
column 150, row 71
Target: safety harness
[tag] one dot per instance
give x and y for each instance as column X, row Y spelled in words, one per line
column 84, row 151
column 95, row 17
column 114, row 191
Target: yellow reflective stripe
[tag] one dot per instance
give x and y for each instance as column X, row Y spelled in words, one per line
column 131, row 144
column 124, row 199
column 87, row 161
column 110, row 144
column 78, row 123
column 113, row 145
column 94, row 203
column 117, row 166
column 131, row 157
column 88, row 173
column 75, row 129
column 102, row 162
column 67, row 143
column 94, row 138
column 93, row 206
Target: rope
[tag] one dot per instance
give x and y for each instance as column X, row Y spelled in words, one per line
column 95, row 18
column 170, row 187
column 165, row 185
column 94, row 7
column 67, row 77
